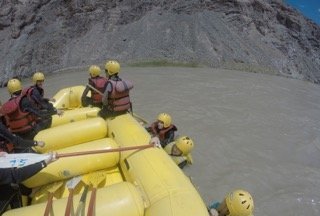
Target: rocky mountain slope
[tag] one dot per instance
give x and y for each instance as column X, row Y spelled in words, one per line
column 257, row 35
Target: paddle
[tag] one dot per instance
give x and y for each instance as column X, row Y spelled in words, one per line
column 21, row 160
column 139, row 118
column 71, row 184
column 94, row 180
column 51, row 189
column 24, row 159
column 94, row 89
column 88, row 179
column 80, row 208
column 103, row 151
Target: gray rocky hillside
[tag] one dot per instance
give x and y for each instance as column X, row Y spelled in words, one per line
column 257, row 35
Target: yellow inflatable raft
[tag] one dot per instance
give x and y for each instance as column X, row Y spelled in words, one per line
column 142, row 182
column 69, row 98
column 74, row 115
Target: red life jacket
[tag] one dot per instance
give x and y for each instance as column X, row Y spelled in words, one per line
column 16, row 119
column 118, row 98
column 98, row 83
column 161, row 133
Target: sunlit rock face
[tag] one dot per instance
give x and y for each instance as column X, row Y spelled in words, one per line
column 253, row 35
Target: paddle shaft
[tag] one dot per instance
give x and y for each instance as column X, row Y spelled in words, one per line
column 81, row 207
column 103, row 151
column 69, row 208
column 94, row 89
column 48, row 210
column 92, row 203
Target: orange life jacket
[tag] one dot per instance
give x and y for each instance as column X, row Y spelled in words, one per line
column 99, row 83
column 118, row 98
column 16, row 119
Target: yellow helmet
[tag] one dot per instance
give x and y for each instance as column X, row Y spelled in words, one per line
column 112, row 67
column 165, row 118
column 240, row 203
column 14, row 85
column 94, row 70
column 184, row 144
column 37, row 76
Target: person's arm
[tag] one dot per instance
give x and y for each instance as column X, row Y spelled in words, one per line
column 37, row 97
column 26, row 106
column 169, row 138
column 182, row 164
column 84, row 96
column 17, row 175
column 43, row 102
column 16, row 140
column 23, row 142
column 105, row 96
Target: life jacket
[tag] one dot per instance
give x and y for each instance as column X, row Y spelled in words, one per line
column 16, row 119
column 118, row 98
column 99, row 83
column 161, row 133
column 28, row 91
column 177, row 159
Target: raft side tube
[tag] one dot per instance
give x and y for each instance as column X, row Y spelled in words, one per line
column 74, row 115
column 68, row 98
column 68, row 167
column 125, row 129
column 113, row 176
column 71, row 134
column 116, row 200
column 165, row 188
column 169, row 192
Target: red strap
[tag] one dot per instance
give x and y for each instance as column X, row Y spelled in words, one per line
column 49, row 205
column 92, row 203
column 70, row 203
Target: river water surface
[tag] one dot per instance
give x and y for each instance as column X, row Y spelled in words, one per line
column 251, row 131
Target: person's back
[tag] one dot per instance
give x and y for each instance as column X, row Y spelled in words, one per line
column 116, row 97
column 39, row 103
column 17, row 119
column 19, row 113
column 96, row 85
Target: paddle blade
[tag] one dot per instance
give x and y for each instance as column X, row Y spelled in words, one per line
column 21, row 160
column 73, row 182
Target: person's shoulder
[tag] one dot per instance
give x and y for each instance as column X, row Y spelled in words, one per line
column 173, row 127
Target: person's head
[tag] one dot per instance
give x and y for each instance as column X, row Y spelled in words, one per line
column 38, row 79
column 94, row 71
column 184, row 144
column 14, row 86
column 239, row 203
column 164, row 120
column 112, row 67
